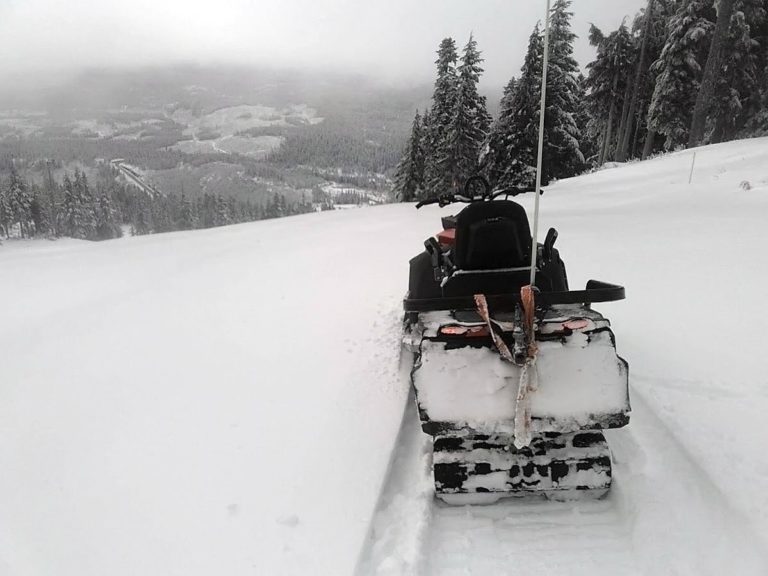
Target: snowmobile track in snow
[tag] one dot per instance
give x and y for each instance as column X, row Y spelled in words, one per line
column 663, row 516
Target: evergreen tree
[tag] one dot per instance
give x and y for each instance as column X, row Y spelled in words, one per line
column 77, row 208
column 5, row 212
column 650, row 25
column 39, row 214
column 409, row 177
column 162, row 219
column 711, row 70
column 513, row 141
column 562, row 155
column 607, row 82
column 737, row 85
column 495, row 153
column 439, row 168
column 679, row 71
column 754, row 118
column 588, row 143
column 141, row 224
column 71, row 210
column 19, row 203
column 624, row 146
column 188, row 219
column 106, row 226
column 87, row 205
column 51, row 202
column 427, row 150
column 470, row 121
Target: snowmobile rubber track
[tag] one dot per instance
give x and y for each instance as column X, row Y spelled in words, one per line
column 482, row 464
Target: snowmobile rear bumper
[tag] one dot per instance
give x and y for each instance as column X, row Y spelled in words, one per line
column 596, row 291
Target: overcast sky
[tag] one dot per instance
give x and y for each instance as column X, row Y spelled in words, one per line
column 391, row 38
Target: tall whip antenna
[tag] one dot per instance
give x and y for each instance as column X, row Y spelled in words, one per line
column 535, row 249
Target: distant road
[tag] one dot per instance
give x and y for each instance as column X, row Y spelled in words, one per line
column 135, row 178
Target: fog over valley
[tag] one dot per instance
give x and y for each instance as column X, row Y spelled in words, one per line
column 391, row 40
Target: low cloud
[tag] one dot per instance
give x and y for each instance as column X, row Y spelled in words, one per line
column 394, row 39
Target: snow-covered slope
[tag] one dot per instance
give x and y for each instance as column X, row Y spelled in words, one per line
column 216, row 402
column 228, row 401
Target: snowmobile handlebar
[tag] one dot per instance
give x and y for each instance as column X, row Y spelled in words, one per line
column 476, row 189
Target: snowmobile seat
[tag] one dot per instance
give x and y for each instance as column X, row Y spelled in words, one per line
column 492, row 235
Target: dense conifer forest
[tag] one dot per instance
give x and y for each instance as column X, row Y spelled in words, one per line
column 218, row 146
column 682, row 73
column 234, row 145
column 107, row 208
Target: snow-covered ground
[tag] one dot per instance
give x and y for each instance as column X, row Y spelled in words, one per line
column 230, row 401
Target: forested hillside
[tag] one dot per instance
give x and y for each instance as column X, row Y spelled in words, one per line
column 219, row 145
column 682, row 73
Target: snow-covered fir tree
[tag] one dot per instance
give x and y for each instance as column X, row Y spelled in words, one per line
column 496, row 160
column 409, row 177
column 427, row 149
column 222, row 217
column 106, row 224
column 86, row 204
column 74, row 224
column 19, row 203
column 141, row 222
column 679, row 70
column 439, row 167
column 651, row 25
column 562, row 155
column 607, row 82
column 712, row 71
column 737, row 89
column 188, row 217
column 512, row 145
column 755, row 113
column 51, row 201
column 470, row 120
column 513, row 140
column 5, row 212
column 587, row 144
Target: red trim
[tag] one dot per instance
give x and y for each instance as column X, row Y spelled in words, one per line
column 447, row 237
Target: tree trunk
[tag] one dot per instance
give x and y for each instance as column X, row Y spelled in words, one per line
column 621, row 155
column 623, row 121
column 609, row 131
column 718, row 134
column 611, row 114
column 632, row 151
column 711, row 71
column 648, row 148
column 603, row 147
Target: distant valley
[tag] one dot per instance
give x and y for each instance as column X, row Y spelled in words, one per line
column 242, row 133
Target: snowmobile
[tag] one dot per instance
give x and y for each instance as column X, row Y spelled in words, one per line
column 513, row 382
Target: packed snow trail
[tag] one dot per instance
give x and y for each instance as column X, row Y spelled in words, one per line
column 213, row 402
column 663, row 517
column 227, row 401
column 691, row 475
column 395, row 545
